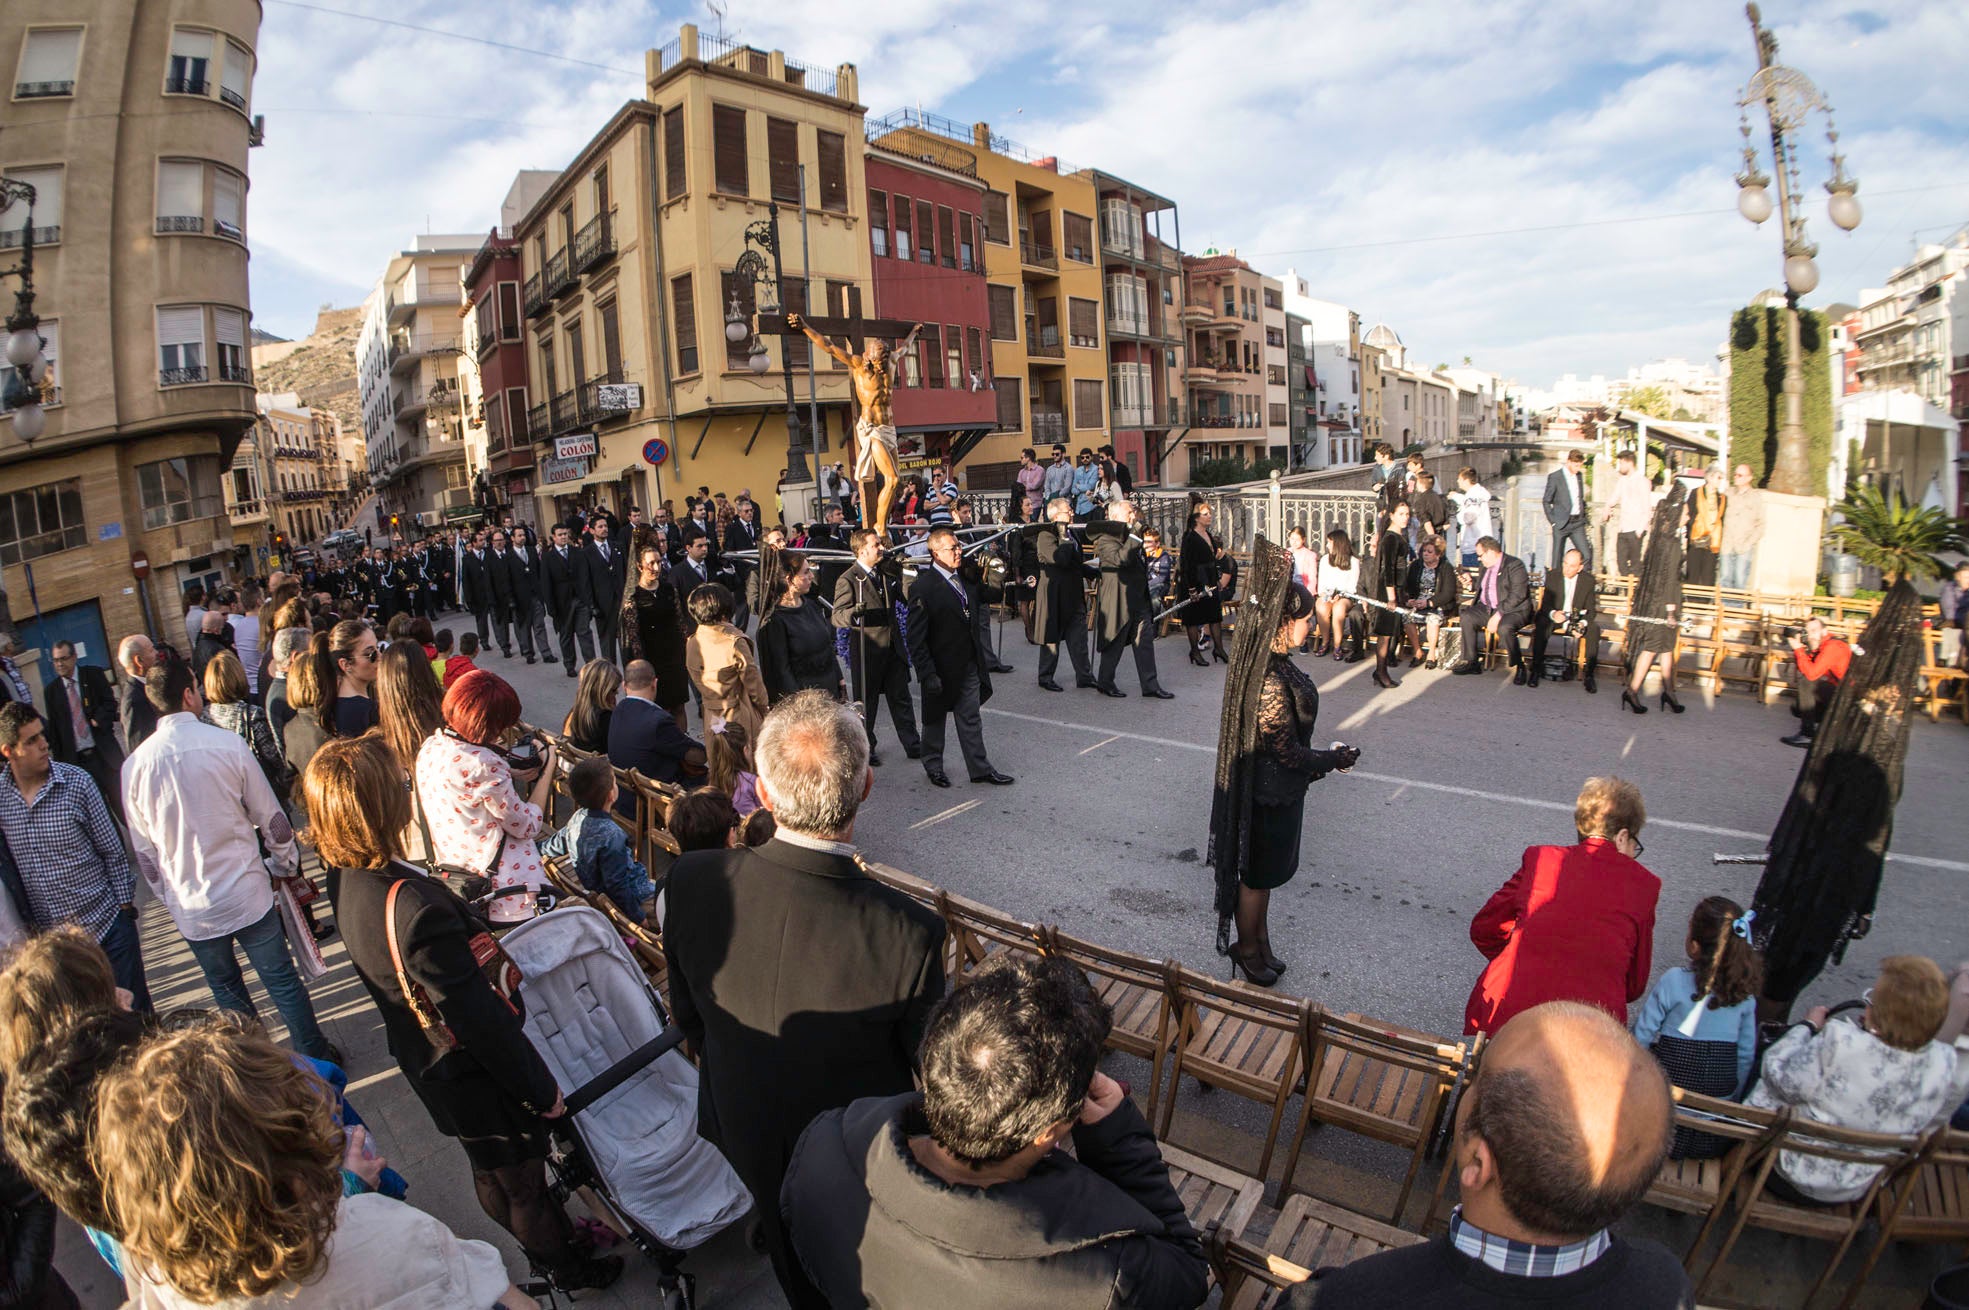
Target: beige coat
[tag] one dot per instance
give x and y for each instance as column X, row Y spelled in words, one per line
column 725, row 669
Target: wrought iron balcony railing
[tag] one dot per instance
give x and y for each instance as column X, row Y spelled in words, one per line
column 187, row 86
column 592, row 407
column 178, row 377
column 559, row 277
column 41, row 90
column 535, row 297
column 594, row 243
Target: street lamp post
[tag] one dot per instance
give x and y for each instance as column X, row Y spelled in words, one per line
column 29, row 385
column 751, row 267
column 1789, row 99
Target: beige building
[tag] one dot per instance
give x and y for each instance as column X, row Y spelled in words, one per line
column 287, row 486
column 407, row 374
column 1278, row 394
column 132, row 122
column 1371, row 417
column 1231, row 406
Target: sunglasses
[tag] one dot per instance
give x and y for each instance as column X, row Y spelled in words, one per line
column 370, row 653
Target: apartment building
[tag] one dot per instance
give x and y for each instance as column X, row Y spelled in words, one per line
column 407, row 374
column 1142, row 284
column 280, row 490
column 492, row 366
column 1271, row 298
column 1478, row 393
column 1336, row 356
column 1907, row 339
column 132, row 123
column 1372, row 415
column 1230, row 393
column 925, row 226
column 1300, row 407
column 1049, row 368
column 1436, row 402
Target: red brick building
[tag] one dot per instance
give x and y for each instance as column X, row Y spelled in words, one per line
column 924, row 233
column 492, row 299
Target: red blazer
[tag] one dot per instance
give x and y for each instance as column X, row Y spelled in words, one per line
column 1574, row 923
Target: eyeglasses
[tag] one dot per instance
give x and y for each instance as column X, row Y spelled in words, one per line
column 370, row 653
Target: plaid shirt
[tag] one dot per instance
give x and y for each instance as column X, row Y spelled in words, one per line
column 71, row 859
column 1522, row 1259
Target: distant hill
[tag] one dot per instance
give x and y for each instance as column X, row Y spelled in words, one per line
column 262, row 337
column 320, row 368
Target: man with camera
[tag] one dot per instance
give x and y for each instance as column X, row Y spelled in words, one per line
column 1570, row 605
column 1822, row 661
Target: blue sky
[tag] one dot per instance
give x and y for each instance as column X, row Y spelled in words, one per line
column 1367, row 147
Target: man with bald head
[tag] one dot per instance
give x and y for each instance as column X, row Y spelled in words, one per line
column 1562, row 1131
column 136, row 654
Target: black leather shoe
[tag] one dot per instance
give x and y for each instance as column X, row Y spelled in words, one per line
column 1084, row 683
column 938, row 778
column 1049, row 685
column 996, row 779
column 505, row 654
column 1000, row 668
column 1467, row 668
column 572, row 674
column 1532, row 678
column 1109, row 691
column 1592, row 687
column 1569, row 674
column 1518, row 677
column 1160, row 694
column 1803, row 740
column 531, row 660
column 874, row 760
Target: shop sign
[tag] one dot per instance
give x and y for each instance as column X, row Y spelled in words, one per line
column 556, row 469
column 574, row 447
column 618, row 397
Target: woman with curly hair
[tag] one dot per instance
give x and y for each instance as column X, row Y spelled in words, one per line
column 220, row 1166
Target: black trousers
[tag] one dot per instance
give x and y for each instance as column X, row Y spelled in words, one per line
column 606, row 624
column 1472, row 620
column 1073, row 636
column 967, row 710
column 1813, row 695
column 877, row 672
column 1699, row 570
column 570, row 625
column 482, row 617
column 1541, row 634
column 1140, row 636
column 1627, row 553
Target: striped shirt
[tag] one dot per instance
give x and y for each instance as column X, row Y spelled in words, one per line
column 1522, row 1259
column 71, row 860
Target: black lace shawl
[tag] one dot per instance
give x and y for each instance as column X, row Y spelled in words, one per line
column 1237, row 737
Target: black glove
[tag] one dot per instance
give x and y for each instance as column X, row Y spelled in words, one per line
column 933, row 687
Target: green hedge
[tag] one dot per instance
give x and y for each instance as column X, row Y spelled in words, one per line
column 1228, row 472
column 1757, row 389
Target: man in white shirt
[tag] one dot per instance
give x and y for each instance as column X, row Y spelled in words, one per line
column 198, row 808
column 1570, row 604
column 1631, row 507
column 1565, row 508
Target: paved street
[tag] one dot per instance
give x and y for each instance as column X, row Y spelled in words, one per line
column 1103, row 835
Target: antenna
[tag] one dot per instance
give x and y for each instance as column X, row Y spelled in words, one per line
column 717, row 8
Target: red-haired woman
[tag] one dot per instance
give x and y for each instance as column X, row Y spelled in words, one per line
column 479, row 820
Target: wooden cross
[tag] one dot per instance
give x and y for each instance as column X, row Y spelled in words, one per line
column 856, row 330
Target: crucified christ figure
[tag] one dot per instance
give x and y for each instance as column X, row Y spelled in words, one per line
column 874, row 374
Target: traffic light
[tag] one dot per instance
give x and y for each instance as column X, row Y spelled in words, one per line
column 393, row 520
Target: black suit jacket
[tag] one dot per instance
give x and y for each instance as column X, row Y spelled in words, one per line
column 1585, row 596
column 475, row 582
column 98, row 706
column 523, row 572
column 1513, row 593
column 803, row 984
column 865, row 604
column 945, row 643
column 139, row 716
column 560, row 582
column 644, row 737
column 1558, row 501
column 740, row 537
column 602, row 580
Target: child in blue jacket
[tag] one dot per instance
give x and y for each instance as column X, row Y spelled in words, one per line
column 596, row 844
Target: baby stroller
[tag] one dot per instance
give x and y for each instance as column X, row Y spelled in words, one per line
column 628, row 1141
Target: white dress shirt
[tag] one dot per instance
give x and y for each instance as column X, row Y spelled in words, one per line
column 1576, row 492
column 1634, row 496
column 194, row 795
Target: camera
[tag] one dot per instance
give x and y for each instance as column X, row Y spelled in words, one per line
column 525, row 753
column 1791, row 633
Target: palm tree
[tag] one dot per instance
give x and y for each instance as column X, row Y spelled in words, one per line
column 1899, row 539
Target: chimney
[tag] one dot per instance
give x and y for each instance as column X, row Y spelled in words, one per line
column 981, row 135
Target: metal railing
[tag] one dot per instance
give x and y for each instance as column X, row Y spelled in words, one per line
column 1038, row 256
column 43, row 236
column 594, row 243
column 40, row 90
column 591, row 407
column 821, row 81
column 411, row 348
column 186, row 86
column 176, row 223
column 558, row 277
column 535, row 298
column 178, row 377
column 233, row 98
column 1049, row 425
column 537, row 427
column 1237, row 514
column 564, row 414
column 240, row 372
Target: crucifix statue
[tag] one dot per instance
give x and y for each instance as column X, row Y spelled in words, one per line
column 874, row 374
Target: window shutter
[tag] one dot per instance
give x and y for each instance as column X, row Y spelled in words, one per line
column 179, row 189
column 783, row 158
column 51, row 55
column 1083, row 322
column 974, row 350
column 1079, row 232
column 181, row 325
column 683, row 313
column 228, row 327
column 509, row 311
column 228, row 201
column 1004, row 313
column 932, row 351
column 878, row 221
column 905, row 240
column 731, row 169
column 47, row 184
column 947, row 236
column 673, row 153
column 926, row 222
column 611, row 340
column 1086, row 403
column 1011, row 405
column 998, row 226
column 236, row 74
column 793, row 298
column 831, row 154
column 953, row 349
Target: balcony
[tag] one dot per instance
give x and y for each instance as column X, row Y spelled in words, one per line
column 403, row 309
column 1043, row 258
column 558, row 279
column 1044, row 342
column 563, row 414
column 179, row 377
column 592, row 408
column 1128, row 325
column 407, row 349
column 236, row 372
column 187, row 86
column 42, row 90
column 536, row 424
column 535, row 298
column 246, row 511
column 233, row 98
column 43, row 236
column 1200, row 373
column 1049, row 425
column 595, row 243
column 169, row 223
column 1195, row 315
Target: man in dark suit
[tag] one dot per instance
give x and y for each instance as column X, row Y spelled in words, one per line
column 82, row 716
column 643, row 736
column 668, row 537
column 865, row 604
column 604, row 571
column 475, row 585
column 692, row 570
column 1060, row 609
column 529, row 615
column 1503, row 606
column 801, row 982
column 952, row 654
column 625, row 532
column 1121, row 602
column 1565, row 508
column 502, row 577
column 136, row 654
column 566, row 597
column 1570, row 603
column 440, row 578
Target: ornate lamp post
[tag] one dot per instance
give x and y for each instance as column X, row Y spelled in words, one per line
column 1789, row 98
column 29, row 385
column 751, row 267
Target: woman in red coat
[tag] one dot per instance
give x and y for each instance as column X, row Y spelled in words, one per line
column 1574, row 923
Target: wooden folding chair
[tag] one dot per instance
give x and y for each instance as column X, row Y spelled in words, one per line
column 1932, row 1205
column 1379, row 1080
column 1214, row 1195
column 645, row 943
column 977, row 932
column 1137, row 992
column 1895, row 1154
column 1248, row 1274
column 1700, row 1187
column 1312, row 1234
column 1239, row 1038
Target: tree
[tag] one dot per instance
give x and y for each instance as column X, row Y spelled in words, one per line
column 1903, row 541
column 1650, row 400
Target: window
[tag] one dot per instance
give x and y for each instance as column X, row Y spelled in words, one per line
column 947, row 236
column 191, row 57
column 974, row 352
column 953, row 357
column 1278, row 414
column 878, row 221
column 228, row 204
column 1275, row 374
column 683, row 314
column 1274, row 337
column 782, row 160
column 911, row 365
column 180, row 345
column 229, row 335
column 47, row 184
column 567, row 225
column 904, row 244
column 1272, row 300
column 516, row 422
column 1004, row 312
column 49, row 57
column 577, row 355
column 831, row 155
column 1128, row 304
column 1083, row 322
column 611, row 340
column 673, row 153
column 731, row 286
column 180, row 196
column 998, row 224
column 601, row 190
column 1087, row 403
column 1011, row 404
column 843, row 301
column 1121, row 227
column 967, row 242
column 235, row 79
column 51, row 350
column 179, row 490
column 730, row 169
column 509, row 311
column 495, row 430
column 1078, row 232
column 925, row 232
column 42, row 521
column 793, row 298
column 932, row 352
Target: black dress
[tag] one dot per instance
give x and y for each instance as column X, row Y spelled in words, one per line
column 1390, row 575
column 354, row 715
column 1287, row 710
column 1658, row 592
column 796, row 650
column 489, row 1089
column 659, row 638
column 1197, row 570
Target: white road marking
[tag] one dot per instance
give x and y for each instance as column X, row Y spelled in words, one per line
column 1097, row 745
column 950, row 813
column 1680, row 825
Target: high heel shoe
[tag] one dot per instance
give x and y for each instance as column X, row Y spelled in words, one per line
column 1277, row 965
column 1197, row 658
column 1668, row 701
column 1217, row 653
column 1253, row 966
column 1629, row 701
column 1382, row 679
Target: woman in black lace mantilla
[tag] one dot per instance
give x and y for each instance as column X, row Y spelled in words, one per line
column 1265, row 762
